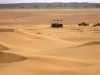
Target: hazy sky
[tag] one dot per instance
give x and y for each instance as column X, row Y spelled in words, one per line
column 25, row 1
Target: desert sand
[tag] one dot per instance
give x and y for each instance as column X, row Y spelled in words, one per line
column 29, row 46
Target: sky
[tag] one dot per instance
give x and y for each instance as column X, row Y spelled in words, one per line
column 29, row 1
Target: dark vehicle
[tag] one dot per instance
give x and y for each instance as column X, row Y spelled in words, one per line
column 83, row 24
column 57, row 24
column 98, row 24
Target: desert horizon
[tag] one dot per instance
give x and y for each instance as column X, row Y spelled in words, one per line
column 30, row 46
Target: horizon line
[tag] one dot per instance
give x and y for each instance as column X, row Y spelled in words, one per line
column 47, row 2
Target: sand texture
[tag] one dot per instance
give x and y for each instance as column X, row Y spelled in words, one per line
column 29, row 46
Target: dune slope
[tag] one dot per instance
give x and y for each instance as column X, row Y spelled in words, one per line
column 21, row 40
column 10, row 57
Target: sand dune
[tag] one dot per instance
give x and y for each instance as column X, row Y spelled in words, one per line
column 21, row 40
column 85, row 52
column 9, row 57
column 41, row 50
column 43, row 66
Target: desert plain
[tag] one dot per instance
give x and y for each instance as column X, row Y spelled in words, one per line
column 29, row 46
